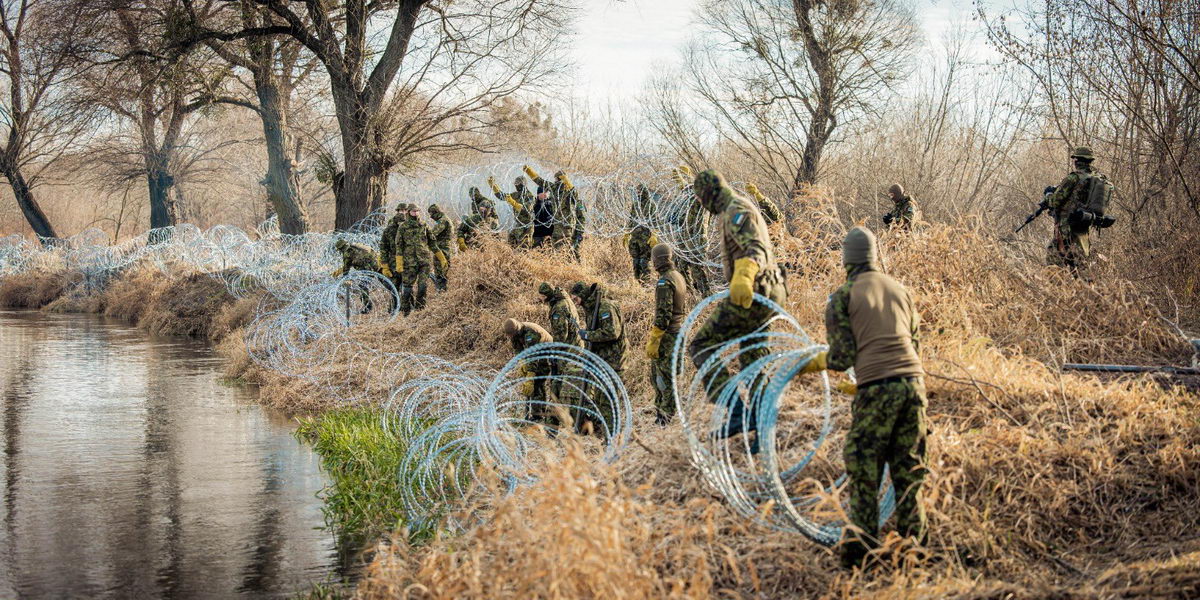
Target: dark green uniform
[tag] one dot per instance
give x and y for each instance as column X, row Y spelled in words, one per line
column 904, row 212
column 479, row 201
column 564, row 326
column 442, row 232
column 357, row 257
column 521, row 235
column 743, row 236
column 415, row 246
column 694, row 246
column 474, row 227
column 1070, row 246
column 605, row 337
column 580, row 222
column 670, row 294
column 639, row 234
column 528, row 336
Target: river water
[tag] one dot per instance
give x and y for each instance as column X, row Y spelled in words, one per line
column 131, row 471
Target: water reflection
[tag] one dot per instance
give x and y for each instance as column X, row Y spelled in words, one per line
column 130, row 471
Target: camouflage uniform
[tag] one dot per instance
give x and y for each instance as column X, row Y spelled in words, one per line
column 888, row 413
column 743, row 237
column 442, row 232
column 770, row 212
column 580, row 222
column 564, row 326
column 474, row 226
column 904, row 210
column 1070, row 246
column 604, row 337
column 357, row 257
column 669, row 311
column 527, row 336
column 522, row 203
column 387, row 246
column 695, row 245
column 639, row 237
column 478, row 201
column 415, row 246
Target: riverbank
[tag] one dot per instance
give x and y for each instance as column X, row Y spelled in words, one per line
column 1041, row 483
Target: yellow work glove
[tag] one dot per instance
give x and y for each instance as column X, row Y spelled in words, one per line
column 686, row 170
column 387, row 271
column 516, row 206
column 399, row 267
column 566, row 181
column 338, row 273
column 625, row 239
column 441, row 258
column 531, row 173
column 462, row 244
column 680, row 178
column 741, row 286
column 653, row 342
column 492, row 184
column 817, row 364
column 847, row 387
column 653, row 241
column 527, row 388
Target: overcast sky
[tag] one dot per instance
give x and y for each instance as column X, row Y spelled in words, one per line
column 620, row 42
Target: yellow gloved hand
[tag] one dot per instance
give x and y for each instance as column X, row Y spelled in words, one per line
column 387, row 271
column 817, row 364
column 527, row 388
column 625, row 239
column 680, row 178
column 653, row 342
column 516, row 206
column 847, row 387
column 686, row 170
column 531, row 173
column 462, row 245
column 338, row 273
column 751, row 189
column 492, row 184
column 653, row 241
column 441, row 258
column 399, row 266
column 741, row 285
column 566, row 181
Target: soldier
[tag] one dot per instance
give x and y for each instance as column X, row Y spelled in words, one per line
column 604, row 335
column 564, row 200
column 522, row 336
column 522, row 203
column 474, row 226
column 694, row 247
column 478, row 201
column 669, row 310
column 387, row 247
column 872, row 326
column 577, row 234
column 416, row 251
column 640, row 239
column 564, row 326
column 441, row 231
column 543, row 218
column 749, row 265
column 770, row 212
column 1071, row 244
column 904, row 209
column 357, row 257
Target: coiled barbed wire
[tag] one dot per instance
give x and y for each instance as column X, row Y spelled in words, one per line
column 760, row 483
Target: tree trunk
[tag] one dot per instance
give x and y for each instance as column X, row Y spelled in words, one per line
column 280, row 181
column 160, row 183
column 29, row 206
column 360, row 192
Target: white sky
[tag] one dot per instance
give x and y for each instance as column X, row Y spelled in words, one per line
column 620, row 41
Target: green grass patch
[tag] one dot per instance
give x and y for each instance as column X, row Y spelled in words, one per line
column 364, row 502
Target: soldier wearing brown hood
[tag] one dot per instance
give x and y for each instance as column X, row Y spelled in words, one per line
column 523, row 336
column 749, row 265
column 904, row 209
column 670, row 307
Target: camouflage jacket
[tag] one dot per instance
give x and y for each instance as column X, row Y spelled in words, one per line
column 564, row 320
column 415, row 245
column 359, row 257
column 387, row 241
column 580, row 218
column 904, row 212
column 669, row 301
column 744, row 235
column 522, row 231
column 770, row 212
column 475, row 226
column 442, row 231
column 1066, row 197
column 606, row 333
column 528, row 336
column 695, row 225
column 640, row 213
column 478, row 200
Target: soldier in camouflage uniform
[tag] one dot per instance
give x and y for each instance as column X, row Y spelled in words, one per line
column 387, row 247
column 564, row 326
column 640, row 239
column 694, row 247
column 523, row 336
column 904, row 209
column 442, row 231
column 670, row 296
column 478, row 201
column 577, row 234
column 482, row 223
column 872, row 326
column 565, row 201
column 770, row 212
column 749, row 265
column 416, row 252
column 522, row 204
column 605, row 337
column 357, row 257
column 1071, row 245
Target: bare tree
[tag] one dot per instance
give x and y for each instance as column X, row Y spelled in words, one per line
column 449, row 51
column 777, row 79
column 37, row 61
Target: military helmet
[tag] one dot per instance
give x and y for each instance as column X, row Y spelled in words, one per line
column 399, row 207
column 579, row 289
column 339, row 243
column 519, row 181
column 545, row 288
column 1083, row 153
column 434, row 210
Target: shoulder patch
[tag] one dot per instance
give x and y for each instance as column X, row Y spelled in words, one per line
column 662, row 282
column 739, row 218
column 605, row 315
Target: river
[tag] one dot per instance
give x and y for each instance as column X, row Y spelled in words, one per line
column 130, row 470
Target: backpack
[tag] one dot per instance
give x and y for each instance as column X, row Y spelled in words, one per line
column 1094, row 194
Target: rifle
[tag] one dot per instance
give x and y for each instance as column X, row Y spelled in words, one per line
column 1043, row 206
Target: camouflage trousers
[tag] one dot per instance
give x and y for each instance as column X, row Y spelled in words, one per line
column 414, row 289
column 521, row 237
column 697, row 277
column 1068, row 249
column 727, row 322
column 663, row 380
column 442, row 273
column 888, row 427
column 639, row 251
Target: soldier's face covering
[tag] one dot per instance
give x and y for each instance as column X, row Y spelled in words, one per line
column 711, row 190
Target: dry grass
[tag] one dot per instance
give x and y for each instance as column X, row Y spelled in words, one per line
column 32, row 290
